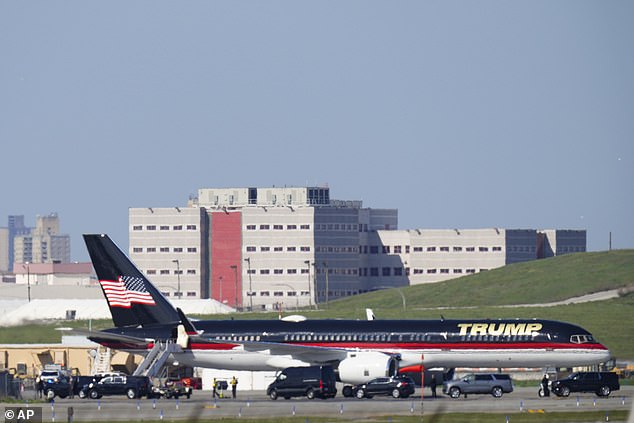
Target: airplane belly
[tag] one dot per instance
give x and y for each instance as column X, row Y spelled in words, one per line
column 230, row 359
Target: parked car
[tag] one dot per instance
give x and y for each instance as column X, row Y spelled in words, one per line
column 495, row 384
column 601, row 383
column 131, row 386
column 397, row 386
column 53, row 375
column 312, row 382
column 57, row 387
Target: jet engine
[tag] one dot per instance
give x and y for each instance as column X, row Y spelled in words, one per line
column 362, row 366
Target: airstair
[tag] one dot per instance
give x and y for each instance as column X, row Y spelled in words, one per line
column 101, row 363
column 156, row 358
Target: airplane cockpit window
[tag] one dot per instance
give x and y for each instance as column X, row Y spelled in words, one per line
column 581, row 339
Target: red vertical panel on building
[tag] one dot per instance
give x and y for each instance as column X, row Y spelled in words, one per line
column 226, row 245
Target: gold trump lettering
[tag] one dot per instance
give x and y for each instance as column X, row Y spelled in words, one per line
column 499, row 329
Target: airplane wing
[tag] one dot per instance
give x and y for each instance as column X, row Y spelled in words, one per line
column 300, row 352
column 126, row 340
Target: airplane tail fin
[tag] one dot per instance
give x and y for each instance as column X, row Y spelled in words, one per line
column 132, row 298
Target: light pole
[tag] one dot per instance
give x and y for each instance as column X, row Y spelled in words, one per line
column 178, row 275
column 235, row 282
column 326, row 266
column 220, row 286
column 28, row 280
column 248, row 260
column 310, row 295
column 290, row 287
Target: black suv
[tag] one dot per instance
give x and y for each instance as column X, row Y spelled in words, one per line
column 131, row 386
column 396, row 386
column 601, row 383
column 313, row 381
column 489, row 383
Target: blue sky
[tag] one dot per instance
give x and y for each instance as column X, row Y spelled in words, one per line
column 459, row 114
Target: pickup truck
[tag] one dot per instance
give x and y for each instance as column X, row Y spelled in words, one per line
column 130, row 386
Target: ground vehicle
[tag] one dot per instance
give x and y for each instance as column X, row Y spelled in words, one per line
column 52, row 374
column 397, row 386
column 60, row 387
column 313, row 381
column 171, row 389
column 131, row 386
column 601, row 383
column 487, row 383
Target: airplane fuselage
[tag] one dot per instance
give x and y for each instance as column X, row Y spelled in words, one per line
column 231, row 344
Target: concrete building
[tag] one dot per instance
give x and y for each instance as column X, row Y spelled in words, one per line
column 291, row 247
column 43, row 244
column 555, row 242
column 256, row 247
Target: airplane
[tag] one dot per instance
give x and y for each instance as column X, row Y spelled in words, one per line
column 359, row 350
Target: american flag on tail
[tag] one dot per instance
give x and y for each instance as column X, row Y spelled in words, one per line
column 126, row 291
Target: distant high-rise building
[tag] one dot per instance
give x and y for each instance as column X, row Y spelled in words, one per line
column 16, row 228
column 43, row 244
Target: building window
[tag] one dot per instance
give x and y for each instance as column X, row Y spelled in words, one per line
column 497, row 248
column 483, row 249
column 278, row 249
column 165, row 272
column 278, row 271
column 291, row 227
column 291, row 271
column 431, row 270
column 264, row 294
column 191, row 249
column 304, row 227
column 304, row 271
column 177, row 228
column 291, row 249
column 264, row 271
column 165, row 228
column 137, row 228
column 418, row 249
column 470, row 249
column 305, row 249
column 397, row 249
column 191, row 293
column 291, row 293
column 250, row 248
column 251, row 227
column 457, row 249
column 150, row 250
column 278, row 227
column 265, row 248
column 137, row 250
column 457, row 270
column 165, row 249
column 191, row 271
column 445, row 249
column 191, row 227
column 178, row 249
column 374, row 249
column 150, row 272
column 444, row 270
column 374, row 271
column 431, row 248
column 151, row 227
column 265, row 227
column 398, row 271
column 386, row 271
column 386, row 249
column 278, row 293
